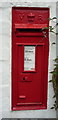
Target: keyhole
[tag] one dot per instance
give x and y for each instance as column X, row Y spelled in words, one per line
column 23, row 78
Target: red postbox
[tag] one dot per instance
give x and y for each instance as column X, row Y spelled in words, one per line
column 30, row 48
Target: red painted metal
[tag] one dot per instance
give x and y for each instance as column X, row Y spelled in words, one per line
column 29, row 88
column 30, row 26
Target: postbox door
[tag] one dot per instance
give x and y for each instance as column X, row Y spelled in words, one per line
column 29, row 64
column 30, row 67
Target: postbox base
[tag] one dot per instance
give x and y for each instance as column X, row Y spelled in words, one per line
column 29, row 108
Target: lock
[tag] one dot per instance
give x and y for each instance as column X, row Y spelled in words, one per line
column 25, row 77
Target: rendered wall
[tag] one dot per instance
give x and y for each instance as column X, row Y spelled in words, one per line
column 5, row 61
column 57, row 29
column 57, row 40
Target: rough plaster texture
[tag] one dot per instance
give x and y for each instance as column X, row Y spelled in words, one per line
column 5, row 60
column 57, row 40
column 57, row 30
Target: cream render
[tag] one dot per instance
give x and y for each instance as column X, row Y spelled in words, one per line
column 5, row 60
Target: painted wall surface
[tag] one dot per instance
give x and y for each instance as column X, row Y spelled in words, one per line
column 57, row 29
column 57, row 40
column 5, row 61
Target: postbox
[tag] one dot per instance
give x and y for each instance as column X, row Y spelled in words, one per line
column 30, row 50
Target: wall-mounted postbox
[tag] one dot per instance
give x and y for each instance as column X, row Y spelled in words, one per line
column 30, row 46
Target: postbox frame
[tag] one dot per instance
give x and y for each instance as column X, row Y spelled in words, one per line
column 44, row 106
